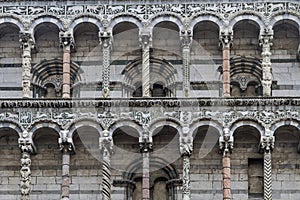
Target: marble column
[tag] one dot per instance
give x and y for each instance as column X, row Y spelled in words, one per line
column 106, row 147
column 186, row 150
column 226, row 41
column 146, row 147
column 146, row 43
column 186, row 42
column 67, row 148
column 27, row 43
column 265, row 41
column 106, row 42
column 27, row 148
column 267, row 145
column 226, row 146
column 66, row 42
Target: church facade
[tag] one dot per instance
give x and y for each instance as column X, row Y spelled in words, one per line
column 162, row 100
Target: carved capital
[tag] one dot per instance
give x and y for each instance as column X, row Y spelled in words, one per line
column 66, row 39
column 266, row 38
column 106, row 39
column 226, row 38
column 145, row 141
column 186, row 38
column 226, row 142
column 26, row 143
column 106, row 143
column 267, row 143
column 145, row 40
column 186, row 145
column 26, row 40
column 66, row 143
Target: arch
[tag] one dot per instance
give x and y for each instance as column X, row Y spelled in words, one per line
column 167, row 18
column 86, row 19
column 84, row 123
column 12, row 20
column 249, row 122
column 125, row 18
column 206, row 122
column 159, row 122
column 210, row 18
column 256, row 19
column 46, row 19
column 46, row 124
column 125, row 122
column 290, row 122
column 286, row 16
column 12, row 125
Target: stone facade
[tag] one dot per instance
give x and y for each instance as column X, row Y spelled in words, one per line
column 165, row 100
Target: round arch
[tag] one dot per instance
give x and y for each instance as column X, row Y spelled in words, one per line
column 86, row 19
column 84, row 123
column 206, row 122
column 254, row 18
column 12, row 125
column 160, row 122
column 170, row 18
column 251, row 123
column 208, row 18
column 125, row 18
column 278, row 18
column 12, row 20
column 46, row 19
column 45, row 124
column 277, row 125
column 125, row 123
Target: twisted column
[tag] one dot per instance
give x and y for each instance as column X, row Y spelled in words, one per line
column 106, row 147
column 106, row 42
column 27, row 43
column 67, row 147
column 186, row 41
column 267, row 145
column 226, row 41
column 27, row 148
column 146, row 43
column 186, row 150
column 226, row 146
column 145, row 147
column 265, row 41
column 66, row 42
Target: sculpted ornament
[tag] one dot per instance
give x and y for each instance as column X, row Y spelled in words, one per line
column 186, row 145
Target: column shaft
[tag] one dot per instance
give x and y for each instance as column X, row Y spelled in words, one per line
column 226, row 176
column 146, row 176
column 146, row 70
column 66, row 85
column 186, row 41
column 267, row 176
column 25, row 175
column 186, row 188
column 106, row 174
column 226, row 71
column 65, row 186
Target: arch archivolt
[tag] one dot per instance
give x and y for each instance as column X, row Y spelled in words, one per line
column 252, row 17
column 46, row 19
column 12, row 20
column 209, row 18
column 125, row 18
column 126, row 123
column 12, row 125
column 288, row 122
column 160, row 122
column 197, row 123
column 85, row 19
column 285, row 16
column 166, row 18
column 84, row 122
column 247, row 122
column 44, row 124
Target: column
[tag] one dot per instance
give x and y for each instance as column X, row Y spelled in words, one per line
column 146, row 43
column 226, row 146
column 186, row 150
column 67, row 147
column 27, row 148
column 27, row 43
column 146, row 147
column 66, row 42
column 265, row 41
column 106, row 42
column 267, row 145
column 106, row 147
column 186, row 41
column 226, row 41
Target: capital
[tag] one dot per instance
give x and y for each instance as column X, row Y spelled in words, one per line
column 106, row 143
column 226, row 142
column 145, row 141
column 266, row 37
column 145, row 39
column 26, row 40
column 26, row 144
column 106, row 39
column 186, row 38
column 66, row 39
column 65, row 142
column 267, row 143
column 226, row 38
column 186, row 145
